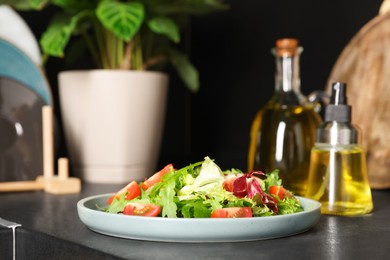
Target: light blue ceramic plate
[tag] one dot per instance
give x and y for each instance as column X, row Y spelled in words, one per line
column 16, row 65
column 196, row 230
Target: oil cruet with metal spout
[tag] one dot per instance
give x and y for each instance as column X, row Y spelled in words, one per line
column 338, row 172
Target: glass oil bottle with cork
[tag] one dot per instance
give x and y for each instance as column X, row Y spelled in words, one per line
column 283, row 131
column 338, row 172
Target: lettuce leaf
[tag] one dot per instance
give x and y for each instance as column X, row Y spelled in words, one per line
column 195, row 209
column 167, row 200
column 209, row 177
column 272, row 179
column 197, row 189
column 289, row 206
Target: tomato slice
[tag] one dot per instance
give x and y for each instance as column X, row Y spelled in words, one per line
column 133, row 191
column 228, row 183
column 234, row 212
column 156, row 177
column 138, row 209
column 280, row 192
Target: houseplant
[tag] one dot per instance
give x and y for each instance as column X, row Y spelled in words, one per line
column 129, row 34
column 123, row 37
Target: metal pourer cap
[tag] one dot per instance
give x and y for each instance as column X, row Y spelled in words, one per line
column 338, row 109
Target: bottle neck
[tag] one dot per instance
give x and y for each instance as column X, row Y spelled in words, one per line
column 287, row 76
column 338, row 133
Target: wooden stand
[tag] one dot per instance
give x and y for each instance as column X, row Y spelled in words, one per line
column 49, row 182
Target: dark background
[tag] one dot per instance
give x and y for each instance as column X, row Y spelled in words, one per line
column 231, row 49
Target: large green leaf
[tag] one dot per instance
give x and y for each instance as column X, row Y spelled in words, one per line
column 123, row 19
column 165, row 26
column 187, row 72
column 57, row 35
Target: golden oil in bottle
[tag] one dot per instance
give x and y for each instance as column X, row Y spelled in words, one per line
column 338, row 179
column 338, row 171
column 281, row 138
column 283, row 131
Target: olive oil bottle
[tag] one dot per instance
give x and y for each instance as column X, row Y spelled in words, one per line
column 338, row 172
column 283, row 131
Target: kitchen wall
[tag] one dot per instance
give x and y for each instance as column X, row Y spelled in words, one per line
column 232, row 51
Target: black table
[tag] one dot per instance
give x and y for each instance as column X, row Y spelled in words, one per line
column 51, row 229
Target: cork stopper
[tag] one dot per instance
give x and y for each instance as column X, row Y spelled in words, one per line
column 286, row 47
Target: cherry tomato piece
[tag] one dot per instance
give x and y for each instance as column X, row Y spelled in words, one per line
column 228, row 183
column 234, row 212
column 156, row 177
column 132, row 189
column 138, row 209
column 280, row 192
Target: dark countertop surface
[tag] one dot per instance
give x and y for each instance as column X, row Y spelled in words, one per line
column 51, row 229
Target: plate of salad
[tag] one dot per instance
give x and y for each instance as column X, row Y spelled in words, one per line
column 201, row 203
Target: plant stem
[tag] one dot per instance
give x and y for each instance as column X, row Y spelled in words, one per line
column 153, row 61
column 101, row 45
column 148, row 44
column 110, row 48
column 92, row 49
column 127, row 57
column 119, row 53
column 137, row 53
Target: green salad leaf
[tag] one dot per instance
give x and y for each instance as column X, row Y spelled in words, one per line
column 195, row 191
column 272, row 179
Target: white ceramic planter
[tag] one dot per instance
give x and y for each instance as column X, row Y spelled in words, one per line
column 113, row 122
